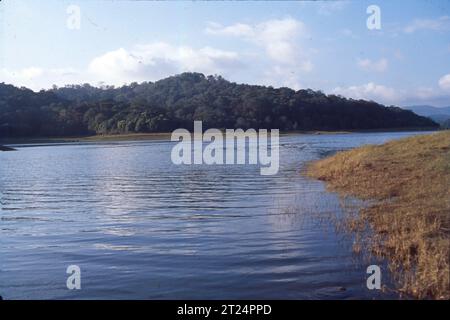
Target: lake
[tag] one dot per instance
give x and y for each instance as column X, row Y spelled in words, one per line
column 140, row 227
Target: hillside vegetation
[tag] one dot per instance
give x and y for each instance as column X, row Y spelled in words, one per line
column 409, row 181
column 177, row 101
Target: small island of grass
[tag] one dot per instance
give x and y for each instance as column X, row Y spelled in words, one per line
column 408, row 181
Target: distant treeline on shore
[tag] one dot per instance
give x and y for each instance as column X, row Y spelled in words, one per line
column 177, row 101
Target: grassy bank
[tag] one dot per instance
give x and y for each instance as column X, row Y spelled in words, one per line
column 408, row 181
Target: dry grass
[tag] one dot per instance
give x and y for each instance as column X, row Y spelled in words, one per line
column 409, row 179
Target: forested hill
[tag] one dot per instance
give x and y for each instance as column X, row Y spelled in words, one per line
column 177, row 101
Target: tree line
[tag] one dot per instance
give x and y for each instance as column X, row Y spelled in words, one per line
column 175, row 102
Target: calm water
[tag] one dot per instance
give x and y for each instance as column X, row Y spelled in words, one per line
column 140, row 227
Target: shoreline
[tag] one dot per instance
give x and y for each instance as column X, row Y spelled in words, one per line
column 165, row 136
column 407, row 181
column 5, row 148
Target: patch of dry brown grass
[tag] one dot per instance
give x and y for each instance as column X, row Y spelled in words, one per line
column 410, row 181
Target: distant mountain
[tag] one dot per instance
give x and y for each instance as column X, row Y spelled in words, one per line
column 175, row 102
column 440, row 115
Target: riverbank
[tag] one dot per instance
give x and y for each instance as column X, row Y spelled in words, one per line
column 167, row 135
column 94, row 138
column 5, row 148
column 408, row 183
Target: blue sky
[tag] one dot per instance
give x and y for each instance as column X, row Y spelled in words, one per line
column 319, row 45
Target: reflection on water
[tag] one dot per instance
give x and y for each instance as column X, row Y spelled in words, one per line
column 140, row 227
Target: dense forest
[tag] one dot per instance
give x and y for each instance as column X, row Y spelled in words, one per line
column 177, row 101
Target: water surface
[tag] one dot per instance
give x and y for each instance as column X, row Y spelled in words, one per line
column 140, row 227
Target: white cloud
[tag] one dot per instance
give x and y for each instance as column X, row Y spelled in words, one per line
column 280, row 40
column 36, row 78
column 281, row 76
column 276, row 58
column 424, row 93
column 25, row 74
column 237, row 30
column 444, row 82
column 327, row 8
column 369, row 91
column 30, row 73
column 438, row 24
column 157, row 60
column 116, row 64
column 278, row 37
column 401, row 97
column 369, row 65
column 147, row 62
